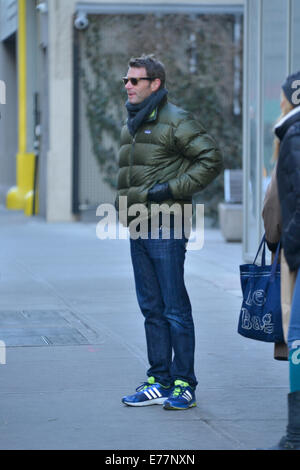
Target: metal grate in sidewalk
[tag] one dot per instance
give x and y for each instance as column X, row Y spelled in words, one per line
column 39, row 328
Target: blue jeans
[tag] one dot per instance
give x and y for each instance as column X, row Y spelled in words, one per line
column 158, row 266
column 294, row 326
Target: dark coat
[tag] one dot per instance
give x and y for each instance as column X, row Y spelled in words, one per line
column 288, row 181
column 171, row 146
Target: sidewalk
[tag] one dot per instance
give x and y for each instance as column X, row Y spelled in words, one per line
column 75, row 345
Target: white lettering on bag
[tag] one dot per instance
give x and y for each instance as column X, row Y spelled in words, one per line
column 254, row 322
column 257, row 297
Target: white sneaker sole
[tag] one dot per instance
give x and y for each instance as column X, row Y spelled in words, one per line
column 155, row 401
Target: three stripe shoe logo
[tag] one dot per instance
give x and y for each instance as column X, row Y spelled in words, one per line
column 152, row 393
column 187, row 395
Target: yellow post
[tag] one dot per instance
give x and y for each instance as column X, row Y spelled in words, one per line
column 20, row 197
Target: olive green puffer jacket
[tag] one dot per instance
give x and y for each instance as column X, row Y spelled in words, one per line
column 169, row 147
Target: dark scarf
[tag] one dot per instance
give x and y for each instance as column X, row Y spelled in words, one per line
column 138, row 113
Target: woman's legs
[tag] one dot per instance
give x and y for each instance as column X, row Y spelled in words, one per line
column 294, row 338
column 291, row 441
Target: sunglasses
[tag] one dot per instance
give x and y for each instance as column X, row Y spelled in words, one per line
column 134, row 81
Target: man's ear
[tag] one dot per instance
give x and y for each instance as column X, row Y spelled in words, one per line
column 155, row 84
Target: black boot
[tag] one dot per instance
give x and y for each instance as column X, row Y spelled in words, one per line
column 291, row 441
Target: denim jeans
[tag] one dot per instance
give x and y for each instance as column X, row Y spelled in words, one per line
column 158, row 266
column 294, row 326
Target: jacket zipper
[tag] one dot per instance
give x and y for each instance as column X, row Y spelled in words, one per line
column 152, row 118
column 131, row 159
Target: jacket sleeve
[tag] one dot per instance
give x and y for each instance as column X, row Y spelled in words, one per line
column 271, row 213
column 193, row 143
column 291, row 233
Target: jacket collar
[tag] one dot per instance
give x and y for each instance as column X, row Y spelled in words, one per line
column 153, row 115
column 283, row 125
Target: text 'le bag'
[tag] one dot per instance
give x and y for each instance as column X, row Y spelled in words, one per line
column 260, row 315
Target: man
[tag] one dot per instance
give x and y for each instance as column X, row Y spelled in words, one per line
column 165, row 157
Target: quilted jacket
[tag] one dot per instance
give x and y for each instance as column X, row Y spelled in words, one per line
column 171, row 146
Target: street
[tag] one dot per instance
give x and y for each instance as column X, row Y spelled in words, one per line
column 75, row 345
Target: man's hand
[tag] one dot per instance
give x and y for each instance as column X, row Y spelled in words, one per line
column 160, row 192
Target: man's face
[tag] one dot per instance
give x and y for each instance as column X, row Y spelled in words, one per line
column 143, row 89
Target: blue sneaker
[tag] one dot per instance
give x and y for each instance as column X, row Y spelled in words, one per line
column 149, row 393
column 182, row 397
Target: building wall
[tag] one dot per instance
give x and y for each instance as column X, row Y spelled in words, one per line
column 9, row 132
column 56, row 170
column 60, row 155
column 8, row 18
column 271, row 52
column 8, row 121
column 59, row 158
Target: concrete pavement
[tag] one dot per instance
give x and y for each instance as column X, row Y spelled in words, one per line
column 75, row 345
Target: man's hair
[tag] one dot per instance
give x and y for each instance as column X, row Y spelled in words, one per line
column 154, row 68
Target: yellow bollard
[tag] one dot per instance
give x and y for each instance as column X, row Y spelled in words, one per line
column 17, row 197
column 21, row 196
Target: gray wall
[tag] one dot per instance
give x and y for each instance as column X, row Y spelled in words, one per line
column 8, row 18
column 271, row 53
column 8, row 121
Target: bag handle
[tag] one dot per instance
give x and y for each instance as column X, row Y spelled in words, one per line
column 263, row 257
column 275, row 262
